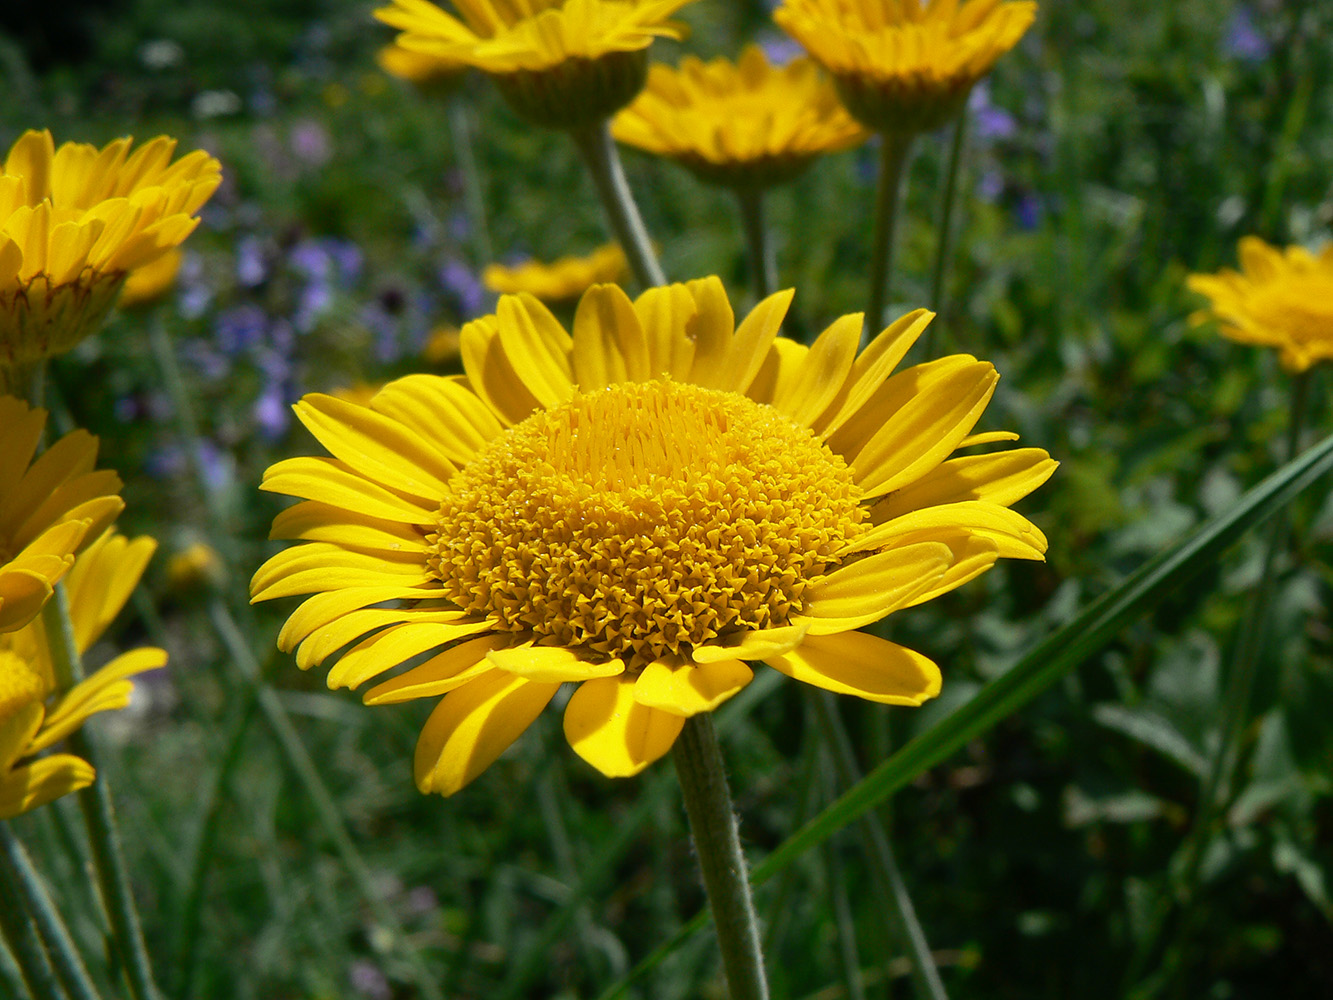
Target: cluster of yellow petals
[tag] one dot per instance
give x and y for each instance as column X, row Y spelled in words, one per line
column 75, row 221
column 905, row 65
column 642, row 507
column 1280, row 298
column 49, row 508
column 428, row 72
column 739, row 124
column 561, row 280
column 33, row 716
column 508, row 36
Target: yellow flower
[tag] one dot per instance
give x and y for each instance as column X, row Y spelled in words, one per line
column 74, row 222
column 904, row 66
column 32, row 716
column 562, row 281
column 196, row 565
column 145, row 285
column 640, row 509
column 1279, row 298
column 442, row 346
column 48, row 508
column 430, row 74
column 739, row 125
column 560, row 63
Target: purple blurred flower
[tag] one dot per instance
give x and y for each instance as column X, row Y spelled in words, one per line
column 310, row 143
column 204, row 358
column 780, row 49
column 215, row 465
column 368, row 980
column 1028, row 211
column 990, row 124
column 240, row 328
column 459, row 280
column 990, row 185
column 1242, row 40
column 314, row 300
column 251, row 262
column 271, row 413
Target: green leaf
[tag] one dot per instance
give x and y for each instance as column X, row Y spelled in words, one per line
column 1051, row 660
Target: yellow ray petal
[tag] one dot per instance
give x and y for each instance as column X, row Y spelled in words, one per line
column 442, row 673
column 613, row 732
column 553, row 664
column 863, row 665
column 43, row 781
column 609, row 341
column 869, row 589
column 537, row 347
column 331, row 481
column 1004, row 478
column 665, row 313
column 822, row 373
column 441, row 411
column 327, row 639
column 393, row 646
column 687, row 688
column 322, row 609
column 756, row 645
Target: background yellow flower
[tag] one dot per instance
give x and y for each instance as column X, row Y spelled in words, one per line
column 49, row 508
column 74, row 222
column 563, row 279
column 32, row 717
column 642, row 508
column 903, row 65
column 739, row 124
column 1279, row 298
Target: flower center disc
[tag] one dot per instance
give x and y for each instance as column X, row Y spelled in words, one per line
column 644, row 517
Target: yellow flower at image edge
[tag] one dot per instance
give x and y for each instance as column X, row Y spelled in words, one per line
column 74, row 222
column 559, row 63
column 1280, row 298
column 643, row 509
column 906, row 66
column 744, row 124
column 562, row 280
column 49, row 508
column 32, row 717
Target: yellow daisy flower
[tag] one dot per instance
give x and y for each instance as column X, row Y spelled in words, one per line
column 560, row 63
column 642, row 509
column 442, row 345
column 145, row 285
column 430, row 74
column 563, row 280
column 48, row 508
column 904, row 66
column 1279, row 298
column 32, row 716
column 746, row 124
column 74, row 222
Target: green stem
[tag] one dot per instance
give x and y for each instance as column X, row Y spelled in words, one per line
column 599, row 153
column 883, row 865
column 99, row 812
column 21, row 938
column 763, row 265
column 703, row 785
column 944, row 237
column 460, row 128
column 1216, row 789
column 893, row 150
column 27, row 885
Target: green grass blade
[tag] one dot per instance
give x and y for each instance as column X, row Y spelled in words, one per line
column 1052, row 659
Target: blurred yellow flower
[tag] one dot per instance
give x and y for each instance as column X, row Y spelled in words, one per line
column 1279, row 298
column 74, row 222
column 562, row 280
column 145, row 285
column 443, row 345
column 641, row 509
column 49, row 509
column 430, row 74
column 196, row 565
column 33, row 715
column 746, row 124
column 560, row 63
column 906, row 66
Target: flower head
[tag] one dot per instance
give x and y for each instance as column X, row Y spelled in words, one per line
column 1279, row 298
column 739, row 124
column 560, row 63
column 49, row 508
column 74, row 222
column 906, row 66
column 563, row 280
column 428, row 73
column 642, row 509
column 33, row 717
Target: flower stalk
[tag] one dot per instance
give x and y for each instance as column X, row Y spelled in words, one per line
column 20, row 937
column 603, row 161
column 99, row 812
column 893, row 151
column 703, row 784
column 763, row 265
column 24, row 882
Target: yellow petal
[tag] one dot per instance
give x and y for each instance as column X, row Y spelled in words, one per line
column 872, row 367
column 553, row 664
column 688, row 689
column 609, row 341
column 472, row 726
column 863, row 665
column 107, row 690
column 325, row 608
column 665, row 313
column 756, row 645
column 823, row 372
column 444, row 672
column 442, row 411
column 333, row 482
column 327, row 639
column 1003, row 477
column 537, row 346
column 753, row 338
column 313, row 521
column 870, row 588
column 395, row 645
column 613, row 732
column 43, row 781
column 491, row 373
